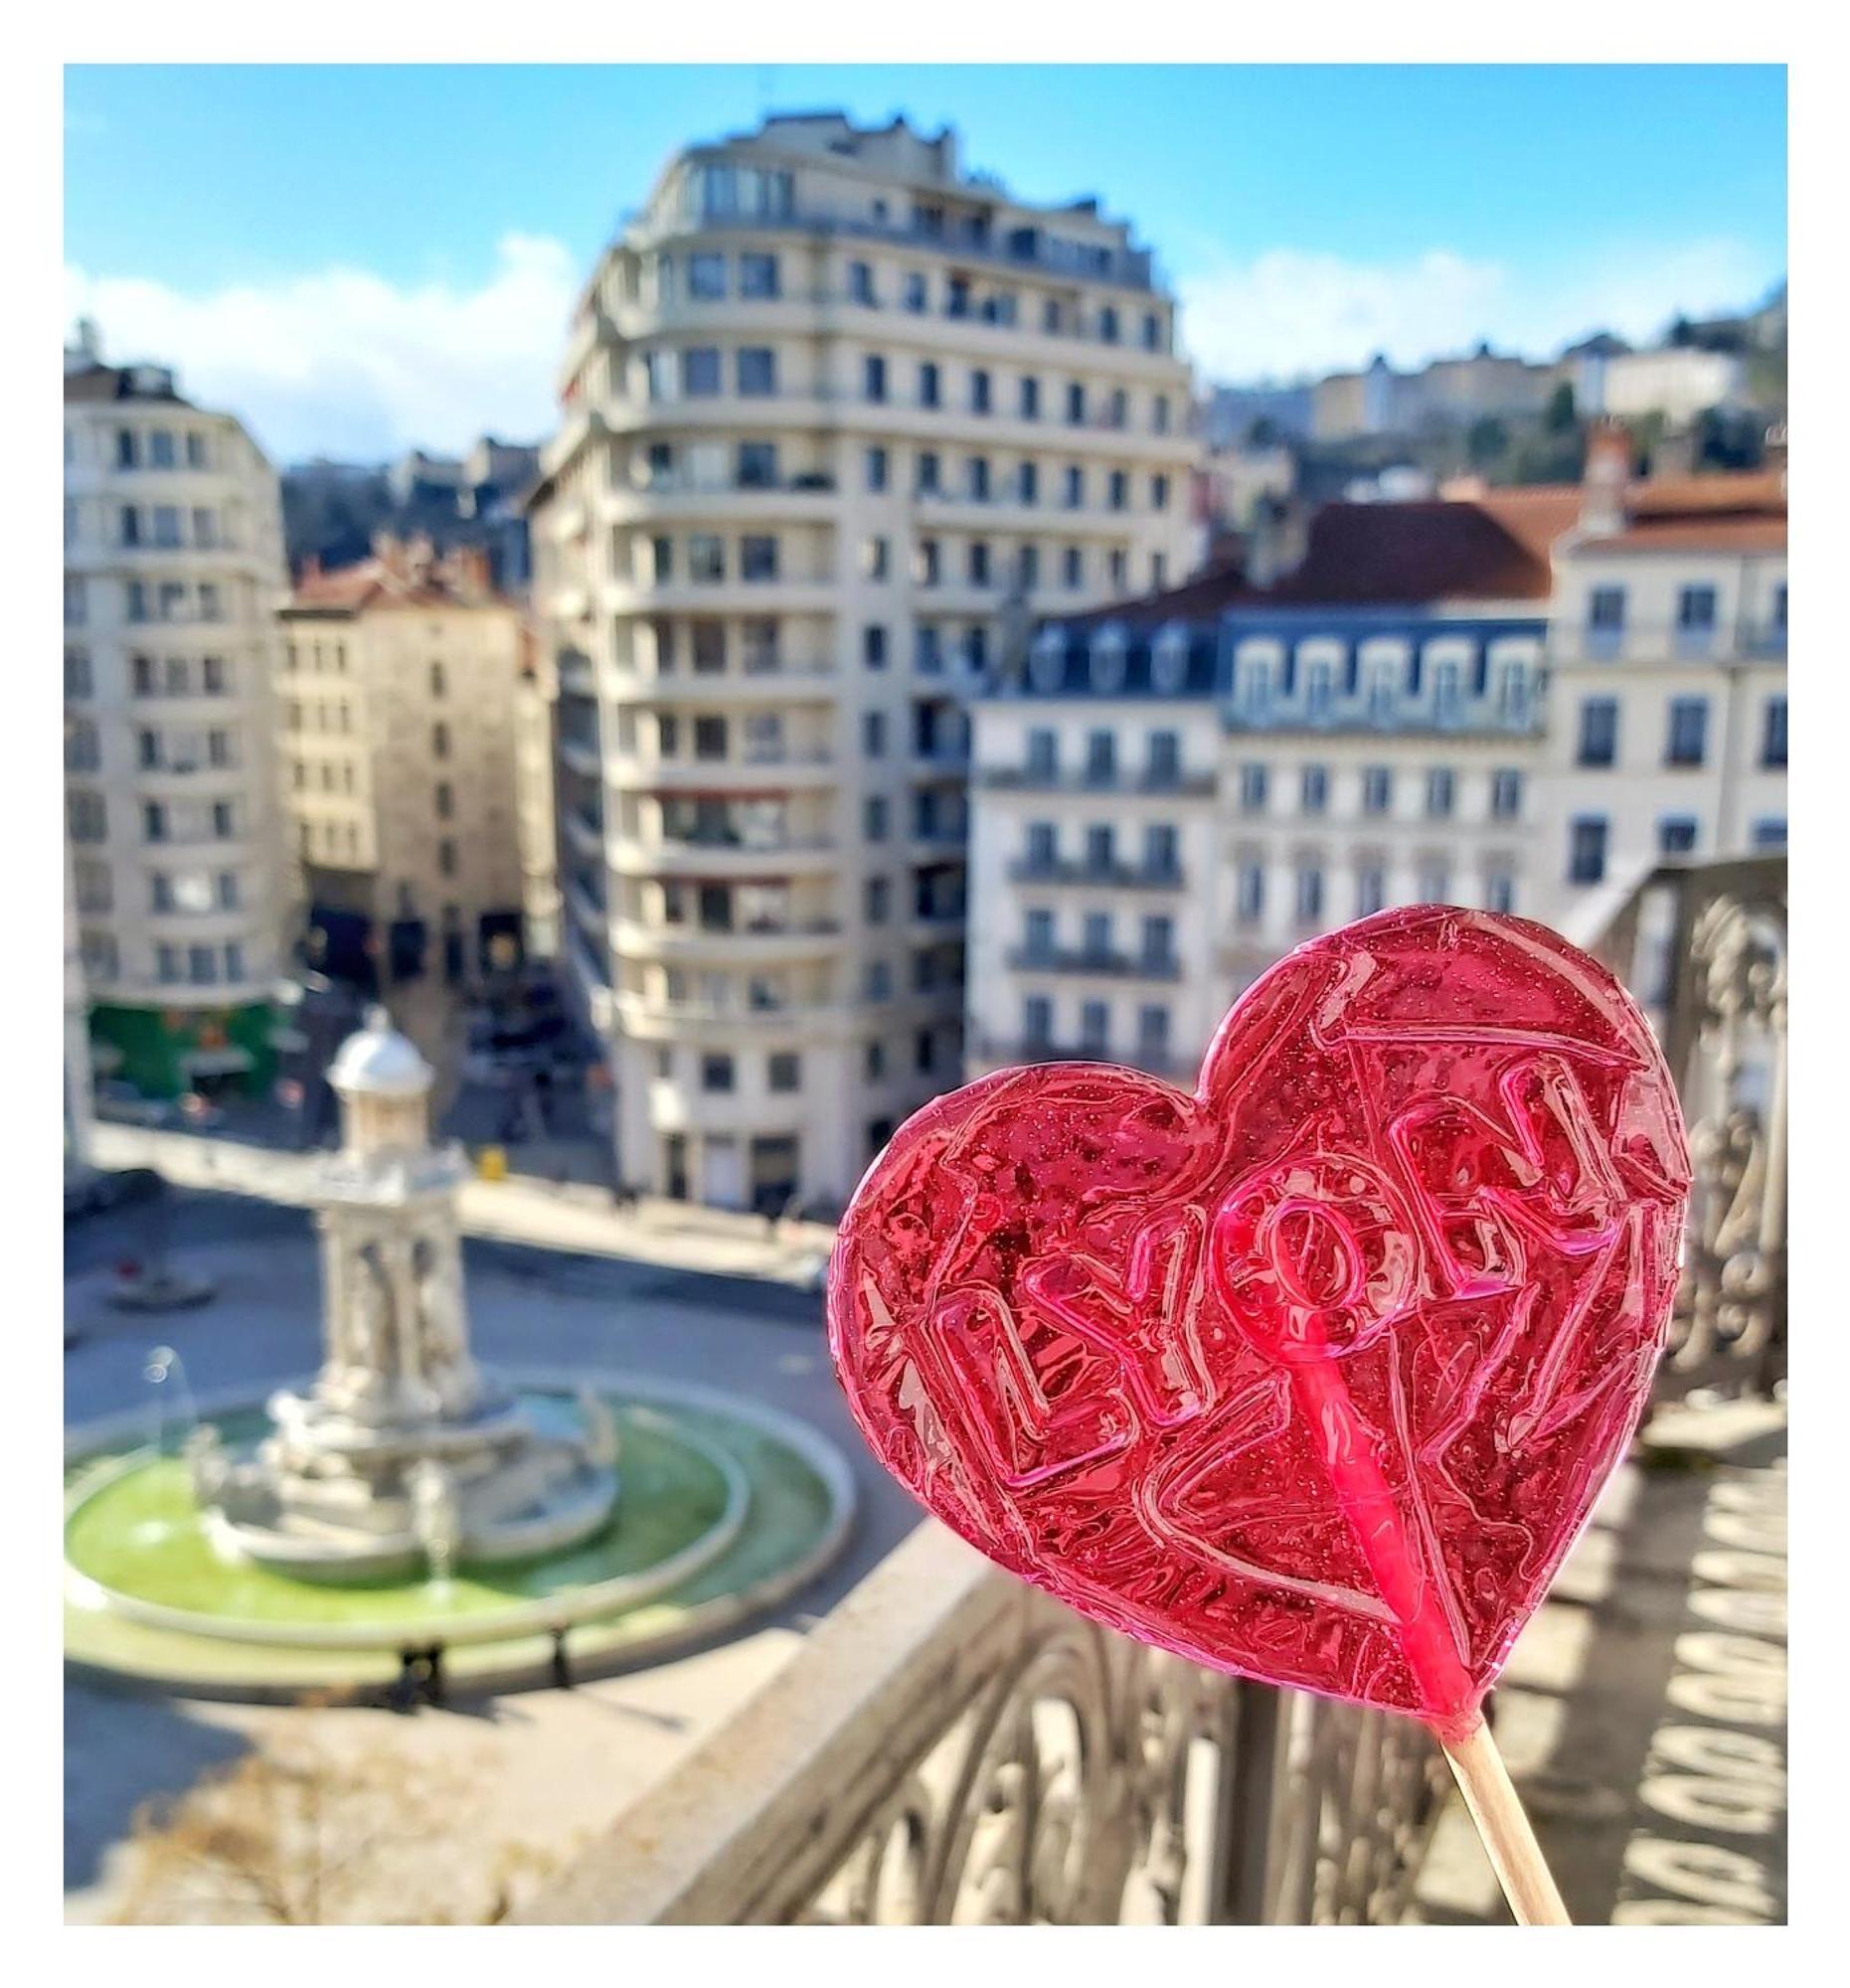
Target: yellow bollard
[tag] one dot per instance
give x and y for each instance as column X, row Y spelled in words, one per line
column 491, row 1163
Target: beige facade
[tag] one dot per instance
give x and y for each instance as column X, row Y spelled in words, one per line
column 397, row 700
column 173, row 569
column 829, row 403
column 1667, row 701
column 535, row 805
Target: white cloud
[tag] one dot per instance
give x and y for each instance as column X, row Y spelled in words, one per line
column 1289, row 312
column 340, row 362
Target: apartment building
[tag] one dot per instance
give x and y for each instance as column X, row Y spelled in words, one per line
column 536, row 815
column 836, row 414
column 173, row 569
column 1172, row 792
column 1667, row 713
column 397, row 701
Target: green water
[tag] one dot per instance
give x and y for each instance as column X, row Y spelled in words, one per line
column 141, row 1534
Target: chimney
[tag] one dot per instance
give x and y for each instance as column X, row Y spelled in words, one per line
column 1607, row 479
column 1280, row 537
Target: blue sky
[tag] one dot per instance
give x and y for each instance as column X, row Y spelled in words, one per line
column 358, row 259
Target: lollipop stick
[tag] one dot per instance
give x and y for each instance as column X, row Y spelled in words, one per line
column 1501, row 1821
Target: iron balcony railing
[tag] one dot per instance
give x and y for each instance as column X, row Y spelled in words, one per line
column 952, row 1746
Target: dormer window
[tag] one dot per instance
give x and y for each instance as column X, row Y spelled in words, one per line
column 1107, row 660
column 1169, row 659
column 1047, row 662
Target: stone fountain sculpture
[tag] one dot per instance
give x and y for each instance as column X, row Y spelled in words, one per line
column 404, row 1454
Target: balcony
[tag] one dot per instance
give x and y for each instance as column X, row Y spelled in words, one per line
column 1111, row 964
column 740, row 945
column 948, row 1745
column 1754, row 637
column 1099, row 876
column 775, row 683
column 807, row 766
column 717, row 857
column 1094, row 781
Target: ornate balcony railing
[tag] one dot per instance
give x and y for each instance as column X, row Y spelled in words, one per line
column 952, row 1747
column 1703, row 946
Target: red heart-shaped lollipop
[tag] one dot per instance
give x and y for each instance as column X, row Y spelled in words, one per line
column 1313, row 1375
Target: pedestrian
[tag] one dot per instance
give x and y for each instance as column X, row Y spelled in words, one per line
column 562, row 1670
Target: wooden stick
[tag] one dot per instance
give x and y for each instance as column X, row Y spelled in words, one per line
column 1502, row 1823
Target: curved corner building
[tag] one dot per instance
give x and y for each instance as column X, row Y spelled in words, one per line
column 173, row 572
column 835, row 414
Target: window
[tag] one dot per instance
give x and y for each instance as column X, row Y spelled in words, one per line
column 1377, row 790
column 446, row 856
column 79, row 680
column 700, row 371
column 201, row 965
column 709, row 644
column 1500, row 891
column 1159, row 413
column 1075, row 403
column 758, row 557
column 1772, row 732
column 1037, row 1021
column 929, row 389
column 1043, row 753
column 706, row 557
column 877, row 900
column 1030, row 399
column 1159, row 493
column 928, row 649
column 716, row 1071
column 957, row 297
column 783, row 1070
column 1255, row 783
column 758, row 275
column 757, row 370
column 1316, row 789
column 1433, row 884
column 1309, row 894
column 877, row 469
column 979, row 392
column 874, row 1061
column 914, row 293
column 1152, row 332
column 1599, row 741
column 756, row 465
column 1676, row 834
column 1117, row 490
column 980, row 562
column 1094, row 1027
column 1586, row 836
column 1100, row 757
column 1441, row 792
column 979, row 471
column 1027, row 484
column 1073, row 567
column 876, row 558
column 1038, row 935
column 446, row 800
column 1370, row 891
column 873, row 377
column 1114, row 569
column 706, row 275
column 1117, row 408
column 861, row 284
column 1101, row 848
column 1770, row 832
column 1073, row 487
column 1163, row 766
column 1249, row 893
column 126, row 452
column 874, row 734
column 1686, row 738
column 1108, row 324
column 1696, row 609
column 1159, row 939
column 130, row 525
column 875, row 817
column 1505, row 793
column 926, row 561
column 153, row 821
column 926, row 473
column 1606, row 609
column 709, row 737
column 874, row 646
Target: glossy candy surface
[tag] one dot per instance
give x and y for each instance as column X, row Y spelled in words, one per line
column 1314, row 1374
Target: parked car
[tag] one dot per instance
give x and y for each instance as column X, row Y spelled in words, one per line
column 119, row 1101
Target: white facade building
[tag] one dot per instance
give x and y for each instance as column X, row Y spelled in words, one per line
column 1171, row 796
column 829, row 405
column 173, row 572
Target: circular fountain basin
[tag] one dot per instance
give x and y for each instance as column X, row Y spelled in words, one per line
column 725, row 1507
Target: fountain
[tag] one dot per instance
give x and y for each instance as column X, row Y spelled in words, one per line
column 405, row 1496
column 403, row 1448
